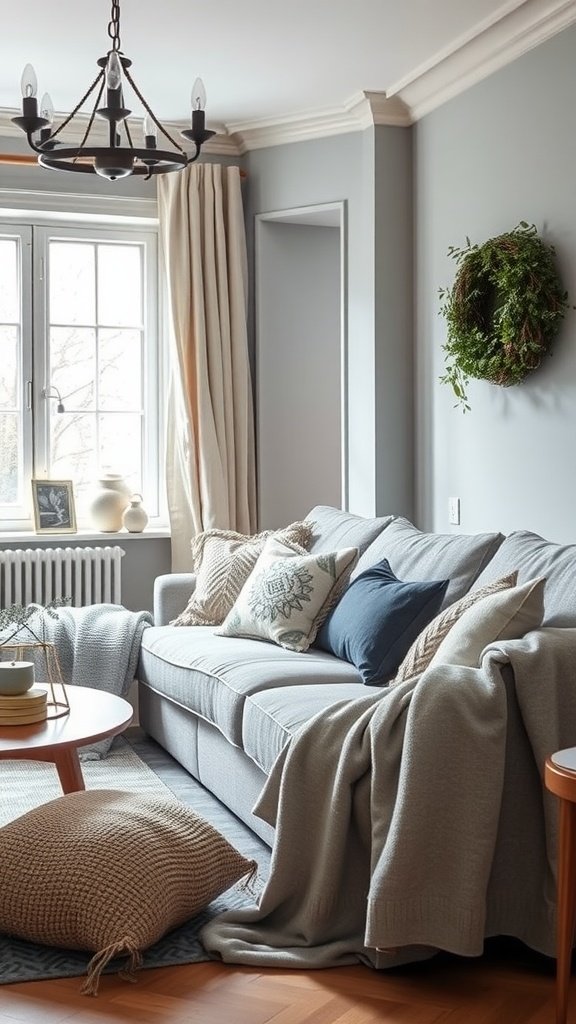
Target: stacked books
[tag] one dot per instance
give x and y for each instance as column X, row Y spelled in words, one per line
column 24, row 708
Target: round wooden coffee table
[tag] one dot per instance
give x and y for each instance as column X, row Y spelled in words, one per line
column 94, row 714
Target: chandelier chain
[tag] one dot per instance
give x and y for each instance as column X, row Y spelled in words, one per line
column 151, row 112
column 99, row 77
column 114, row 25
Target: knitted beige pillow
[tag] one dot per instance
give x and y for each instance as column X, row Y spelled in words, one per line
column 222, row 561
column 427, row 643
column 110, row 871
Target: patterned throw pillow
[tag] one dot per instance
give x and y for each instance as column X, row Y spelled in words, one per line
column 427, row 643
column 112, row 872
column 222, row 561
column 288, row 595
column 507, row 615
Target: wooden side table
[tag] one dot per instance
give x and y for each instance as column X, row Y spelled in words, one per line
column 93, row 715
column 560, row 779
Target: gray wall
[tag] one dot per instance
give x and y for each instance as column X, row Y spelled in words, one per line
column 351, row 168
column 503, row 152
column 298, row 364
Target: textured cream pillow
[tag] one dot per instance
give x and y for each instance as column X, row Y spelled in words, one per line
column 507, row 615
column 110, row 871
column 288, row 595
column 222, row 561
column 427, row 643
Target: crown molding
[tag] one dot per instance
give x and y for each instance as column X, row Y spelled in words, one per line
column 362, row 111
column 518, row 27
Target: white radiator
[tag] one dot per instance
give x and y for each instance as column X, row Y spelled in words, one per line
column 85, row 575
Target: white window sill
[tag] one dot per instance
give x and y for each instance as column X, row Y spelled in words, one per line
column 17, row 536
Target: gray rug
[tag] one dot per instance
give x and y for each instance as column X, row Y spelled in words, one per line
column 134, row 763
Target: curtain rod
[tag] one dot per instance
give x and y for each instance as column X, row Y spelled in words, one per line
column 28, row 159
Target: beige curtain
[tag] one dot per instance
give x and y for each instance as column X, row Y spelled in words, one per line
column 210, row 467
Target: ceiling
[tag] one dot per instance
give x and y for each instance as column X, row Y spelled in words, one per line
column 262, row 62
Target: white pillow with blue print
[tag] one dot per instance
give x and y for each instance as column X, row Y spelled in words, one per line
column 288, row 594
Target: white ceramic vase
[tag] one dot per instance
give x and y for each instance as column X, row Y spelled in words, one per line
column 135, row 516
column 108, row 502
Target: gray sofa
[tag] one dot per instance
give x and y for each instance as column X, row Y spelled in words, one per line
column 225, row 707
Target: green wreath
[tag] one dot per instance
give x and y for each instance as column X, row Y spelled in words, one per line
column 503, row 310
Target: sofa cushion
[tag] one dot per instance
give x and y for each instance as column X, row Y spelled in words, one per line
column 532, row 556
column 271, row 717
column 111, row 872
column 506, row 615
column 377, row 619
column 414, row 555
column 288, row 595
column 223, row 560
column 333, row 529
column 428, row 641
column 212, row 675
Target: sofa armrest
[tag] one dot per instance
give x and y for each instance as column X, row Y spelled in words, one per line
column 171, row 595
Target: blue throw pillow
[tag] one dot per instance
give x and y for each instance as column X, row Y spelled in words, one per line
column 377, row 619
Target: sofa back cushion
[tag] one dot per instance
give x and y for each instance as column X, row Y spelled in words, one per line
column 418, row 556
column 334, row 529
column 532, row 556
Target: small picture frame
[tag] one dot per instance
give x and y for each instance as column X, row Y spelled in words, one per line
column 53, row 502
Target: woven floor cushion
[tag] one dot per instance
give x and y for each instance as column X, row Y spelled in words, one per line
column 110, row 872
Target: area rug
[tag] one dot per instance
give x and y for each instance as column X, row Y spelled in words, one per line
column 26, row 784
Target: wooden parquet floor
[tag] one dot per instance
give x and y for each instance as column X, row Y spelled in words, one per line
column 502, row 987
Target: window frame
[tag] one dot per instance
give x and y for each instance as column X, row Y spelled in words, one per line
column 37, row 227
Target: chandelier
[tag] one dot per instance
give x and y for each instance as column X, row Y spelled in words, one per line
column 120, row 157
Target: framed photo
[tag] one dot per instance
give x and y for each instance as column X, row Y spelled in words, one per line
column 53, row 502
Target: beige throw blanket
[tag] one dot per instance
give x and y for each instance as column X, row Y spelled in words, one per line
column 416, row 820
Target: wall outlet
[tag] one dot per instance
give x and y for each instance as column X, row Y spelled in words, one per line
column 454, row 511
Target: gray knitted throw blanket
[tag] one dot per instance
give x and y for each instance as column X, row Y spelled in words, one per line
column 97, row 646
column 416, row 820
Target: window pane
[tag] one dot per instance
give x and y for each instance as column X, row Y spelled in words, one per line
column 9, row 291
column 120, row 365
column 72, row 283
column 73, row 365
column 120, row 285
column 9, row 366
column 9, row 458
column 121, row 446
column 73, row 437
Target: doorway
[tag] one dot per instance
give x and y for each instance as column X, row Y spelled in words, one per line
column 300, row 362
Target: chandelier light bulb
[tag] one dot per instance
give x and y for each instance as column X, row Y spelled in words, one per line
column 198, row 95
column 113, row 71
column 150, row 129
column 29, row 82
column 47, row 108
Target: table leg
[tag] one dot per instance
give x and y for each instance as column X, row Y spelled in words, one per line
column 69, row 771
column 566, row 906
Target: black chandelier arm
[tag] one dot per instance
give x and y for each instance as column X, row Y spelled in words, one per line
column 151, row 112
column 193, row 159
column 33, row 145
column 93, row 114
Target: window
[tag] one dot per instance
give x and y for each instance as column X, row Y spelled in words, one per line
column 80, row 367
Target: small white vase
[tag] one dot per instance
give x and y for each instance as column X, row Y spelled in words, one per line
column 108, row 503
column 135, row 516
